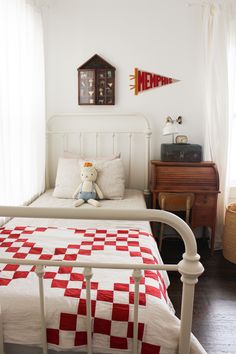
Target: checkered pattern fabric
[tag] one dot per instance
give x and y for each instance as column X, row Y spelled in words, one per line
column 112, row 291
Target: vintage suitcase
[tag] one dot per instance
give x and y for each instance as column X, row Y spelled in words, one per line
column 181, row 152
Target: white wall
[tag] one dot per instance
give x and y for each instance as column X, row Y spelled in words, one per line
column 160, row 36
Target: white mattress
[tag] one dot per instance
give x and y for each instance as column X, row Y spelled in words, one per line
column 133, row 199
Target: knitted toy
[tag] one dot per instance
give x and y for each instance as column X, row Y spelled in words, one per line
column 88, row 190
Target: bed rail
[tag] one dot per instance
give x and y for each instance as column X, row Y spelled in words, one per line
column 189, row 267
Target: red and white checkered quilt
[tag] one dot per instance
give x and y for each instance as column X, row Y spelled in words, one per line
column 112, row 291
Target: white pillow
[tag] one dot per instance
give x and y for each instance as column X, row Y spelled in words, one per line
column 110, row 178
column 68, row 177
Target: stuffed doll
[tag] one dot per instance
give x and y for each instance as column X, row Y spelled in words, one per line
column 88, row 190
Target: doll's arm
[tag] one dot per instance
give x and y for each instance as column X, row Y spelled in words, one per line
column 99, row 192
column 77, row 190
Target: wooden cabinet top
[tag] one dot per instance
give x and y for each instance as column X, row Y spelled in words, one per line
column 187, row 164
column 184, row 176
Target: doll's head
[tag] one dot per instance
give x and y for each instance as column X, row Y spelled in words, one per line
column 88, row 172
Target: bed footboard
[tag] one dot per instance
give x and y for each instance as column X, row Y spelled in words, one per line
column 189, row 267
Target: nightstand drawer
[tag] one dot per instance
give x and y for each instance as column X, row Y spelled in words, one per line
column 203, row 216
column 205, row 200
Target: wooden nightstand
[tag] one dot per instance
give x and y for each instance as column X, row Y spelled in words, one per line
column 200, row 178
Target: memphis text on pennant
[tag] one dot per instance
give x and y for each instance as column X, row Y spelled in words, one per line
column 145, row 81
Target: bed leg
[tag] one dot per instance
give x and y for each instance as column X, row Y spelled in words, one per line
column 1, row 333
column 190, row 268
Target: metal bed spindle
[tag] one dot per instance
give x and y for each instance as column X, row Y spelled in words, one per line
column 137, row 274
column 97, row 142
column 130, row 152
column 80, row 142
column 65, row 142
column 88, row 275
column 39, row 270
column 113, row 142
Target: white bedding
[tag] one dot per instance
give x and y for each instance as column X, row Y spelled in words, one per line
column 133, row 199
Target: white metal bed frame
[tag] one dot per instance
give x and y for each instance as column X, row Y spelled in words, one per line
column 67, row 127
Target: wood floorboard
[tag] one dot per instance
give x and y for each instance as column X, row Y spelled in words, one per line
column 214, row 316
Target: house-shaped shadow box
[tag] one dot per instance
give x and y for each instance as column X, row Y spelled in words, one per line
column 96, row 80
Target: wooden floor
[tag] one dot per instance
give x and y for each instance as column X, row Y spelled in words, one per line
column 214, row 318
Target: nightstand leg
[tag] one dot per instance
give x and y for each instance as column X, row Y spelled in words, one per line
column 161, row 236
column 162, row 205
column 212, row 239
column 154, row 201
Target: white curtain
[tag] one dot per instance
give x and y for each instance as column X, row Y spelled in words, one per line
column 22, row 102
column 232, row 100
column 217, row 27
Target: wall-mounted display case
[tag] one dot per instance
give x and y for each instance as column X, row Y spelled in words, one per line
column 96, row 82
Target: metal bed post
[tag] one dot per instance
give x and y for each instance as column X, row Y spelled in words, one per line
column 190, row 268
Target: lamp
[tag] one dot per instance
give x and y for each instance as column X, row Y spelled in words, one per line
column 171, row 127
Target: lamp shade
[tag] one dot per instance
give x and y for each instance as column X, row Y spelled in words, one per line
column 170, row 128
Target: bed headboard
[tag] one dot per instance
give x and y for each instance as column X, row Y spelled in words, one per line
column 101, row 134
